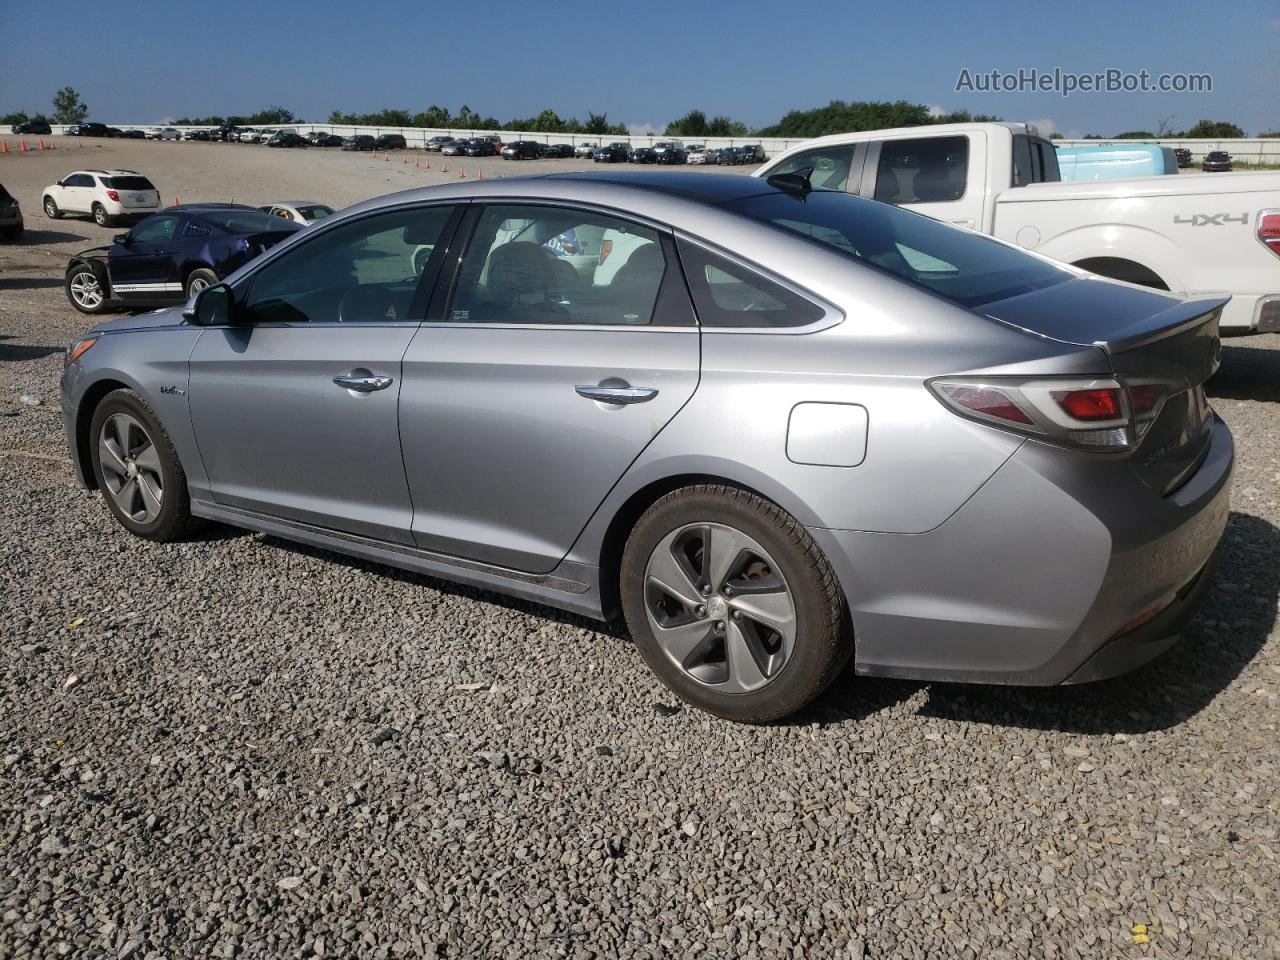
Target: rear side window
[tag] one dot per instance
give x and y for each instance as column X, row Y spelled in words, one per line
column 128, row 183
column 831, row 167
column 927, row 170
column 728, row 294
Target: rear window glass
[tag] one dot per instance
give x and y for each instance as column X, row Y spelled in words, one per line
column 246, row 221
column 964, row 267
column 728, row 294
column 128, row 183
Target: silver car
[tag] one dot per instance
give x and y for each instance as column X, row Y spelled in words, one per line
column 796, row 427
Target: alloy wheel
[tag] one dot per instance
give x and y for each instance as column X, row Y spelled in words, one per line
column 86, row 290
column 196, row 285
column 719, row 607
column 131, row 468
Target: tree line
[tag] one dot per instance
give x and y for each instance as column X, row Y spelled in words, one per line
column 838, row 116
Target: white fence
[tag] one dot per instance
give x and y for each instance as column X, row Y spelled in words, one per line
column 1245, row 151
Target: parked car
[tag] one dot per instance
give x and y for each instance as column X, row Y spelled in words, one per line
column 455, row 148
column 305, row 212
column 318, row 138
column 1183, row 155
column 522, row 150
column 732, row 156
column 106, row 195
column 33, row 127
column 201, row 136
column 643, row 155
column 135, row 134
column 585, row 151
column 750, row 525
column 166, row 133
column 11, row 225
column 752, row 153
column 616, row 152
column 226, row 132
column 557, row 151
column 287, row 138
column 438, row 142
column 360, row 141
column 390, row 141
column 662, row 148
column 1172, row 236
column 114, row 132
column 481, row 147
column 86, row 129
column 698, row 154
column 171, row 255
column 1216, row 161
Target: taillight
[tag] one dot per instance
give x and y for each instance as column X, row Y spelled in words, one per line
column 112, row 195
column 1101, row 414
column 606, row 248
column 1269, row 231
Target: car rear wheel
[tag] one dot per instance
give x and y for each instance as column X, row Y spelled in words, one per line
column 86, row 288
column 138, row 470
column 199, row 279
column 51, row 209
column 100, row 215
column 732, row 604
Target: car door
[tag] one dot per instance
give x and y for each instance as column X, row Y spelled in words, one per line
column 294, row 402
column 77, row 193
column 929, row 175
column 144, row 266
column 530, row 390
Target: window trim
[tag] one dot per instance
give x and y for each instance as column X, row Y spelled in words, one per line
column 831, row 315
column 422, row 294
column 674, row 282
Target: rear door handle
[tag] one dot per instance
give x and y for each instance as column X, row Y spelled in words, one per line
column 364, row 383
column 594, row 391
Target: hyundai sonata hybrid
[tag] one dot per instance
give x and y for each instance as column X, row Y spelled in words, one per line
column 796, row 427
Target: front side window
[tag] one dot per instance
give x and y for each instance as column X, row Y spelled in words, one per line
column 927, row 170
column 364, row 271
column 831, row 167
column 154, row 230
column 555, row 265
column 962, row 266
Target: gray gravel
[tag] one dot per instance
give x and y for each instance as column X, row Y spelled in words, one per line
column 269, row 751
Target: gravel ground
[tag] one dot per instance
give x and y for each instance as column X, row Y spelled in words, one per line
column 236, row 747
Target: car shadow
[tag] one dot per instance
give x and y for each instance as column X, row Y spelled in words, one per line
column 1247, row 373
column 29, row 283
column 1230, row 629
column 17, row 352
column 30, row 237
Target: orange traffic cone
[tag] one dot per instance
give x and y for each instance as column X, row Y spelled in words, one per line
column 23, row 146
column 428, row 165
column 415, row 161
column 4, row 146
column 40, row 143
column 405, row 159
column 462, row 174
column 79, row 145
column 479, row 174
column 444, row 168
column 386, row 157
column 177, row 202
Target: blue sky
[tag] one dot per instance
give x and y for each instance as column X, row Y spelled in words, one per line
column 642, row 61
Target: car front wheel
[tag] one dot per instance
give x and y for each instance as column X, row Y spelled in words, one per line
column 138, row 470
column 732, row 604
column 51, row 209
column 86, row 289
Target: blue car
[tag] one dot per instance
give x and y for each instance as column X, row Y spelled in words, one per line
column 171, row 255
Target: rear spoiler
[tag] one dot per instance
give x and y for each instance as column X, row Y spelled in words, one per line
column 1167, row 323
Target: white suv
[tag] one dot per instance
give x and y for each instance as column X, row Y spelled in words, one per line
column 106, row 195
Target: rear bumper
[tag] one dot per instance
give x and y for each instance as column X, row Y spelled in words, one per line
column 1036, row 574
column 1251, row 313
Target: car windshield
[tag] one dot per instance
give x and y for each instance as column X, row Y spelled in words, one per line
column 128, row 183
column 961, row 266
column 246, row 221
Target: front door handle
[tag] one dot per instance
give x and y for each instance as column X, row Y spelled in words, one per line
column 365, row 383
column 609, row 394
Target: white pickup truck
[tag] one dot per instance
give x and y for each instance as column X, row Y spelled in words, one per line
column 1197, row 235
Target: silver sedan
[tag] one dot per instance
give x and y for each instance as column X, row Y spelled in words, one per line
column 785, row 429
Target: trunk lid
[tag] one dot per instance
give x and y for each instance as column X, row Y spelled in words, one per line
column 1155, row 344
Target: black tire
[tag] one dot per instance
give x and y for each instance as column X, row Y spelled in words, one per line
column 100, row 215
column 51, row 209
column 174, row 520
column 77, row 280
column 822, row 645
column 198, row 279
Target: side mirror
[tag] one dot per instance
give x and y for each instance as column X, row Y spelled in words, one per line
column 211, row 307
column 124, row 239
